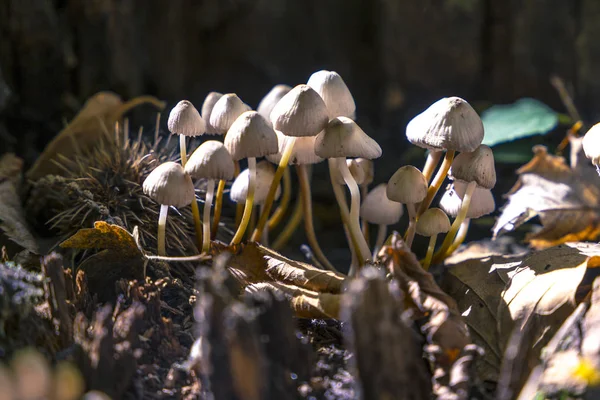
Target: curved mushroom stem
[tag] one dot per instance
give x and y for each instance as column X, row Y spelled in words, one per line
column 162, row 226
column 252, row 224
column 239, row 234
column 363, row 251
column 210, row 191
column 182, row 150
column 344, row 212
column 197, row 222
column 364, row 225
column 458, row 240
column 309, row 227
column 381, row 235
column 264, row 240
column 218, row 208
column 460, row 217
column 290, row 227
column 412, row 224
column 430, row 248
column 354, row 259
column 437, row 183
column 283, row 204
column 433, row 159
column 283, row 163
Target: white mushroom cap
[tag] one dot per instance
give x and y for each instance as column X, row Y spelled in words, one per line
column 301, row 112
column 344, row 138
column 302, row 153
column 368, row 168
column 264, row 176
column 169, row 185
column 185, row 120
column 336, row 95
column 482, row 201
column 268, row 102
column 376, row 208
column 432, row 222
column 225, row 112
column 475, row 166
column 448, row 124
column 207, row 107
column 210, row 160
column 251, row 136
column 591, row 144
column 407, row 185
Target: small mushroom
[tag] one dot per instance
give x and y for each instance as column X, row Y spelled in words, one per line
column 225, row 111
column 336, row 95
column 408, row 186
column 210, row 161
column 207, row 107
column 300, row 113
column 433, row 222
column 268, row 102
column 185, row 120
column 344, row 138
column 591, row 145
column 376, row 208
column 249, row 137
column 168, row 185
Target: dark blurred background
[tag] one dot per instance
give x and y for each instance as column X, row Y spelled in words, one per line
column 397, row 56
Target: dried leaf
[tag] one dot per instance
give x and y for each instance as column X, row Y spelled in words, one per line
column 85, row 130
column 12, row 217
column 497, row 293
column 564, row 198
column 106, row 237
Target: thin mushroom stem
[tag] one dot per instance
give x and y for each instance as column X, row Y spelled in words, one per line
column 381, row 235
column 354, row 259
column 197, row 222
column 437, row 182
column 309, row 227
column 218, row 208
column 210, row 191
column 239, row 208
column 162, row 226
column 363, row 250
column 290, row 226
column 364, row 225
column 252, row 224
column 458, row 240
column 182, row 150
column 265, row 235
column 460, row 217
column 433, row 159
column 341, row 200
column 412, row 224
column 239, row 234
column 430, row 248
column 283, row 204
column 283, row 163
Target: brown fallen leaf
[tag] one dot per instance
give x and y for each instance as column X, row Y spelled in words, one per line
column 565, row 198
column 12, row 218
column 496, row 294
column 104, row 236
column 88, row 127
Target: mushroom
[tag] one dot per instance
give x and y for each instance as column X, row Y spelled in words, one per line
column 367, row 169
column 168, row 185
column 408, row 186
column 433, row 222
column 249, row 137
column 449, row 124
column 591, row 145
column 344, row 138
column 300, row 113
column 268, row 102
column 336, row 95
column 470, row 170
column 211, row 161
column 207, row 107
column 376, row 208
column 185, row 120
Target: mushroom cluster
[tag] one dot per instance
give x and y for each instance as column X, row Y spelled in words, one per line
column 308, row 124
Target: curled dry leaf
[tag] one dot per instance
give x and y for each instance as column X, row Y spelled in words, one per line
column 497, row 294
column 564, row 197
column 88, row 127
column 12, row 217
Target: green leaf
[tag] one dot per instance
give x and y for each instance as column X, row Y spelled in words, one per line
column 525, row 117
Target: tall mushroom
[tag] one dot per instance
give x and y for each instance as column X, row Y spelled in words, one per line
column 268, row 102
column 376, row 208
column 336, row 95
column 408, row 186
column 344, row 138
column 299, row 113
column 210, row 161
column 433, row 222
column 249, row 137
column 450, row 124
column 169, row 186
column 207, row 107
